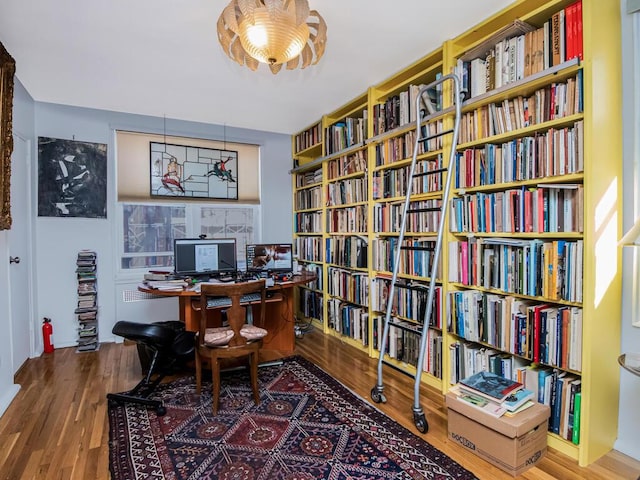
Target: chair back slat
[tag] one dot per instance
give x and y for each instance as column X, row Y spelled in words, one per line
column 236, row 314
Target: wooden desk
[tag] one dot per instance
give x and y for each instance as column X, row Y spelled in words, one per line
column 279, row 317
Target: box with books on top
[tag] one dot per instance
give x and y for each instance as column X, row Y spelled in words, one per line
column 489, row 427
column 87, row 301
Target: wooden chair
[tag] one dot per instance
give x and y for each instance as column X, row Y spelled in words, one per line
column 236, row 340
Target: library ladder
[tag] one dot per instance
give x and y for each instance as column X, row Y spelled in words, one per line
column 377, row 392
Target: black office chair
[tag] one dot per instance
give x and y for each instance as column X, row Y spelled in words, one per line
column 167, row 344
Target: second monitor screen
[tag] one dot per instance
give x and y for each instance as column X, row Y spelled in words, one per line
column 273, row 257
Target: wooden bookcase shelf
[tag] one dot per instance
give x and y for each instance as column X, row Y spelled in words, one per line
column 350, row 302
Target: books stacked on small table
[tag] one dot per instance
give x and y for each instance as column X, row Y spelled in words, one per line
column 160, row 280
column 493, row 394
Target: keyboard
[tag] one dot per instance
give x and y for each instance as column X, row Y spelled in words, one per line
column 226, row 301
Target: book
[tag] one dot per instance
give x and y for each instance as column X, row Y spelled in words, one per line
column 575, row 437
column 515, row 400
column 478, row 402
column 521, row 408
column 156, row 276
column 490, row 385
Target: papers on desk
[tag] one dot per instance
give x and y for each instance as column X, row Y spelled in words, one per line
column 167, row 285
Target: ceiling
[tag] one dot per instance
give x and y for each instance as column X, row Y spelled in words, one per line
column 162, row 58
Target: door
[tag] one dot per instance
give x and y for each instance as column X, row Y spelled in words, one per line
column 20, row 255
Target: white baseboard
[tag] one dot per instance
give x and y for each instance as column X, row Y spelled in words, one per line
column 7, row 397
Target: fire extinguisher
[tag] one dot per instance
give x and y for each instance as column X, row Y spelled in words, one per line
column 47, row 335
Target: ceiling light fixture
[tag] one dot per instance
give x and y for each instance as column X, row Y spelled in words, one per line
column 274, row 32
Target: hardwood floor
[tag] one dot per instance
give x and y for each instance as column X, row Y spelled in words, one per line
column 57, row 427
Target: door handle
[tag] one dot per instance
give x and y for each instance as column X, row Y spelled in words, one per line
column 14, row 259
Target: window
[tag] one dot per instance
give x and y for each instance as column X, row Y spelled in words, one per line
column 149, row 229
column 149, row 226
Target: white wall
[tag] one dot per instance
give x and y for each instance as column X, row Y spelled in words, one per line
column 629, row 419
column 59, row 239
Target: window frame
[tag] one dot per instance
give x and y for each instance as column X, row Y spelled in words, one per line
column 193, row 225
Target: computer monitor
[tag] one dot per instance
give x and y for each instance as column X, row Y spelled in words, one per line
column 269, row 257
column 202, row 257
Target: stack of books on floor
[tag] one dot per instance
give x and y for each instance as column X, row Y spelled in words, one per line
column 87, row 306
column 494, row 394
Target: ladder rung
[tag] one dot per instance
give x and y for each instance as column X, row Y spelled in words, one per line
column 420, row 210
column 407, row 329
column 389, row 364
column 411, row 247
column 430, row 172
column 421, row 288
column 431, row 137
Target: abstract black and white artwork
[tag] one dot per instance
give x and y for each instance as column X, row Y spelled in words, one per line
column 72, row 178
column 193, row 172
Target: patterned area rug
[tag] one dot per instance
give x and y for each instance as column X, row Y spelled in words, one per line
column 308, row 426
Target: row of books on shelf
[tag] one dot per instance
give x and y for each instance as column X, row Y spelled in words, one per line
column 552, row 102
column 310, row 304
column 547, row 154
column 348, row 285
column 467, row 358
column 401, row 147
column 310, row 249
column 348, row 319
column 309, row 266
column 310, row 177
column 308, row 222
column 348, row 219
column 403, row 344
column 543, row 209
column 409, row 300
column 350, row 190
column 347, row 251
column 401, row 109
column 351, row 163
column 346, row 133
column 522, row 51
column 307, row 139
column 391, row 183
column 421, row 216
column 537, row 268
column 309, row 198
column 539, row 332
column 416, row 256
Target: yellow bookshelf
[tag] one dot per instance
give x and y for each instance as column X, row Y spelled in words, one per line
column 596, row 129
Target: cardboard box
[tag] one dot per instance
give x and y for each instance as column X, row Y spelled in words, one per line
column 513, row 444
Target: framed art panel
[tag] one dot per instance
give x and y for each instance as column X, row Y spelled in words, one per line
column 7, row 70
column 193, row 172
column 72, row 178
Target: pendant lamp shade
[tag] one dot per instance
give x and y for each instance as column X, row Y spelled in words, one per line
column 274, row 32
